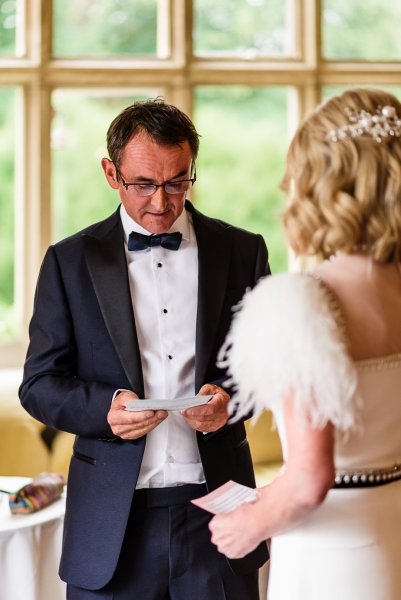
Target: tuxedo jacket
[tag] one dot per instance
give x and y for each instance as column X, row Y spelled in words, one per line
column 83, row 346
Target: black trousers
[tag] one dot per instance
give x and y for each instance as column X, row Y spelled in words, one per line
column 167, row 554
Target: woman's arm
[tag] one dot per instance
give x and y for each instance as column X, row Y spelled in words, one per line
column 300, row 488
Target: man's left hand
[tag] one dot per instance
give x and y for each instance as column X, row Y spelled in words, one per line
column 210, row 416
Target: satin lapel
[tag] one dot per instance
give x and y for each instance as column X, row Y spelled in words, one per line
column 107, row 266
column 214, row 251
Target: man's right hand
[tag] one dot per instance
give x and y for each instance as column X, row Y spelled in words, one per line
column 132, row 425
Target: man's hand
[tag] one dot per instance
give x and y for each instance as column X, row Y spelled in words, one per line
column 210, row 416
column 132, row 425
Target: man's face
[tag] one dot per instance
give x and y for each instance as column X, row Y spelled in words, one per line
column 145, row 161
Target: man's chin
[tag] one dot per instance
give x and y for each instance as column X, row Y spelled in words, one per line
column 158, row 224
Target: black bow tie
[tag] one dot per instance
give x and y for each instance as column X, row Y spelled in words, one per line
column 138, row 241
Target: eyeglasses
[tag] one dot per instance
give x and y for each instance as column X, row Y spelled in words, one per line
column 148, row 189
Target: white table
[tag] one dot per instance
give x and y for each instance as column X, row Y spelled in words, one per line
column 30, row 548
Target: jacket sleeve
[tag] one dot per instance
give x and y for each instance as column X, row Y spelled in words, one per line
column 51, row 390
column 262, row 266
column 261, row 269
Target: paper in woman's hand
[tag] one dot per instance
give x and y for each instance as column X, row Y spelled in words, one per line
column 168, row 404
column 226, row 498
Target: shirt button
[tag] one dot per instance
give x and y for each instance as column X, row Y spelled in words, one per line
column 159, row 265
column 170, row 357
column 165, row 311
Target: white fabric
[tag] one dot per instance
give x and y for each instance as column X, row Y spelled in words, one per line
column 171, row 454
column 350, row 547
column 30, row 549
column 287, row 319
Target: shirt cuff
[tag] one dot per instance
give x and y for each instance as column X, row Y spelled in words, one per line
column 116, row 394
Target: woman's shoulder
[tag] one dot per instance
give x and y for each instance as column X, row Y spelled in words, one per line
column 301, row 283
column 291, row 311
column 299, row 292
column 286, row 338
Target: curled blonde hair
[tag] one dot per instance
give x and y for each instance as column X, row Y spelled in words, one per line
column 344, row 196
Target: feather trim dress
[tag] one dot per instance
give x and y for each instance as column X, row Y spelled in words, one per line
column 288, row 336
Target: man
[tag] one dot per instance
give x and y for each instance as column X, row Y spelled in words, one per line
column 122, row 312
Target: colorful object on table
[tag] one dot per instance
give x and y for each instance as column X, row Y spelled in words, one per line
column 42, row 491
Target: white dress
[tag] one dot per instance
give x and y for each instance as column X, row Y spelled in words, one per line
column 286, row 335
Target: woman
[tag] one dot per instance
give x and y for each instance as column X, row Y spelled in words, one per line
column 323, row 351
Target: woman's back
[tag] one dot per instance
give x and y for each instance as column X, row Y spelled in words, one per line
column 350, row 544
column 369, row 296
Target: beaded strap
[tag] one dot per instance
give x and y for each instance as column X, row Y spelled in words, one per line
column 334, row 304
column 367, row 477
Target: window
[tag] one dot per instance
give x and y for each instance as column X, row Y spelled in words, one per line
column 78, row 142
column 247, row 29
column 247, row 71
column 8, row 25
column 244, row 139
column 105, row 28
column 9, row 322
column 361, row 30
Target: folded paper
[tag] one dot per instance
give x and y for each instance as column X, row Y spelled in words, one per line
column 167, row 404
column 226, row 498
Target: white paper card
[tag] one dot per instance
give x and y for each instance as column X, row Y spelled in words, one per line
column 169, row 404
column 226, row 498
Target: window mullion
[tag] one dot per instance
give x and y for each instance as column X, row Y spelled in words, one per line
column 35, row 189
column 180, row 92
column 310, row 32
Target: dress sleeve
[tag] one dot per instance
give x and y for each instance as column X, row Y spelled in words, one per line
column 286, row 341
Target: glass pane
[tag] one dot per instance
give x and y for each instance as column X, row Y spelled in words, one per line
column 105, row 28
column 246, row 28
column 81, row 195
column 330, row 91
column 8, row 22
column 241, row 160
column 9, row 324
column 361, row 30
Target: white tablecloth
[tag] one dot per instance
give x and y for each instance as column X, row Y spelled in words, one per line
column 30, row 548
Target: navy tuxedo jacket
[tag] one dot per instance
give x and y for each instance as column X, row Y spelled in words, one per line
column 83, row 346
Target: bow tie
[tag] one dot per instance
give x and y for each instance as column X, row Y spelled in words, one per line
column 138, row 241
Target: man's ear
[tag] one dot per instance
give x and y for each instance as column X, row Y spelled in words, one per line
column 110, row 172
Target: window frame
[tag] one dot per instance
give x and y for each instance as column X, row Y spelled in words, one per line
column 36, row 74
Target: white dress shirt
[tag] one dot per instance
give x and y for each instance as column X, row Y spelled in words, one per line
column 164, row 290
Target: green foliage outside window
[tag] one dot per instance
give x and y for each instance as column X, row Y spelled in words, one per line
column 361, row 30
column 242, row 27
column 7, row 27
column 105, row 27
column 7, row 136
column 241, row 160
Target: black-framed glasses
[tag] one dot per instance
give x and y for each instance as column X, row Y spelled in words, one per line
column 148, row 189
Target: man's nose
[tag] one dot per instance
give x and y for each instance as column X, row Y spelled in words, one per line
column 159, row 199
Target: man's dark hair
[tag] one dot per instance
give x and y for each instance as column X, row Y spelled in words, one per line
column 163, row 123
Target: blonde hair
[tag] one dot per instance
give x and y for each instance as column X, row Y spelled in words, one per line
column 344, row 196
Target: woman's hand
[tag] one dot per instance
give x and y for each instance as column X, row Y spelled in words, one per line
column 238, row 532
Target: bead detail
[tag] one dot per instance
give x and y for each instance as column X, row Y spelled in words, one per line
column 367, row 477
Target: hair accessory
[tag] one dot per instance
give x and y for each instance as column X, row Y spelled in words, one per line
column 384, row 123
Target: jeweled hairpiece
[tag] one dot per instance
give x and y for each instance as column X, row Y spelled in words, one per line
column 382, row 124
